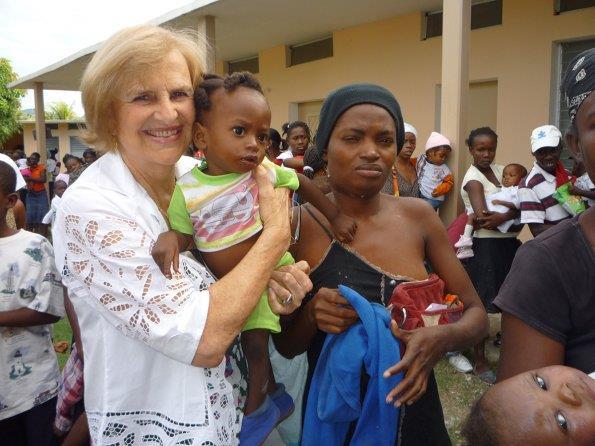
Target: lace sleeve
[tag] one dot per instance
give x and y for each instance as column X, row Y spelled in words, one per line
column 105, row 259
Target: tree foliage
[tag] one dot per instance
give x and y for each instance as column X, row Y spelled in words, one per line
column 60, row 110
column 10, row 102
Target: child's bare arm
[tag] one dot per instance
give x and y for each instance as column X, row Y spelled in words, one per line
column 343, row 227
column 582, row 192
column 507, row 204
column 167, row 250
column 25, row 317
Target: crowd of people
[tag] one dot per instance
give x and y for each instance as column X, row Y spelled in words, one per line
column 289, row 280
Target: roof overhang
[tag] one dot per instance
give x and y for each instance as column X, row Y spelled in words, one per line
column 245, row 27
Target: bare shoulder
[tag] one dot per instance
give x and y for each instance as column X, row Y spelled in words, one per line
column 414, row 208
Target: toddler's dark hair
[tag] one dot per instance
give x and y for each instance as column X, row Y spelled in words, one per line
column 481, row 131
column 8, row 178
column 275, row 138
column 294, row 125
column 519, row 167
column 212, row 82
column 479, row 428
column 313, row 162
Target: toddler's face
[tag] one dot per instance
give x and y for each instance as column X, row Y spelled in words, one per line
column 235, row 131
column 511, row 176
column 550, row 406
column 438, row 156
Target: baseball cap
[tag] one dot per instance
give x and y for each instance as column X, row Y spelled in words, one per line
column 545, row 136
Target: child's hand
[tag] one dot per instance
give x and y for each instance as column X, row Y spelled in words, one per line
column 573, row 190
column 435, row 194
column 165, row 252
column 344, row 228
column 499, row 203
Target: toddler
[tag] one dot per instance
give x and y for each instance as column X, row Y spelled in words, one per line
column 434, row 176
column 59, row 188
column 216, row 207
column 507, row 198
column 550, row 406
column 30, row 301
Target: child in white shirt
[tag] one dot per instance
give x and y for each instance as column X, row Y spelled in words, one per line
column 434, row 176
column 501, row 201
column 31, row 300
column 59, row 188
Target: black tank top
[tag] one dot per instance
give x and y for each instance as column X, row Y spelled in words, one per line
column 421, row 423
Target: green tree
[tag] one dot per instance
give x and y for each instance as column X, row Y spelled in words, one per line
column 10, row 102
column 60, row 110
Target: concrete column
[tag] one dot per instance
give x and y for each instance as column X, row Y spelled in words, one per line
column 456, row 24
column 206, row 27
column 40, row 122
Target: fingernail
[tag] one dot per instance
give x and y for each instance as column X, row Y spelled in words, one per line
column 398, row 404
column 389, row 400
column 386, row 374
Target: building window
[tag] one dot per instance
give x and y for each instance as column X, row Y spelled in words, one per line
column 307, row 52
column 250, row 64
column 483, row 14
column 571, row 5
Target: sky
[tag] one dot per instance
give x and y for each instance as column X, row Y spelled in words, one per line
column 38, row 33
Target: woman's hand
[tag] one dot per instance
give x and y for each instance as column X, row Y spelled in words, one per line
column 288, row 287
column 331, row 312
column 274, row 205
column 491, row 220
column 424, row 348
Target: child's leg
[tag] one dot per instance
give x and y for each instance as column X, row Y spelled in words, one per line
column 255, row 344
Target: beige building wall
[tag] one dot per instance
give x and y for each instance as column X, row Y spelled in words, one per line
column 518, row 55
column 62, row 133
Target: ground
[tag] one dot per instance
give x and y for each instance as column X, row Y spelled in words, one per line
column 457, row 391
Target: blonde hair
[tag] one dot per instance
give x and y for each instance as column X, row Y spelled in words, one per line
column 123, row 58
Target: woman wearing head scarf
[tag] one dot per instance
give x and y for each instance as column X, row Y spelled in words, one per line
column 359, row 135
column 403, row 181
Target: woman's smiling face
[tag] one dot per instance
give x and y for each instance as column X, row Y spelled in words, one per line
column 550, row 406
column 154, row 117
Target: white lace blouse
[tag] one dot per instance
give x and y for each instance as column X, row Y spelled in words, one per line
column 139, row 330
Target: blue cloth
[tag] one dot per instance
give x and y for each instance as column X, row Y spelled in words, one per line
column 36, row 206
column 334, row 397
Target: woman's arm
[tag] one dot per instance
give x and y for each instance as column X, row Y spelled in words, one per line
column 427, row 345
column 524, row 348
column 74, row 324
column 227, row 314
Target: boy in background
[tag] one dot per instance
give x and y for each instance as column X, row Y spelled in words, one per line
column 31, row 300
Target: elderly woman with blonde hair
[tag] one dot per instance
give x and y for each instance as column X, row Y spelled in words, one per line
column 154, row 347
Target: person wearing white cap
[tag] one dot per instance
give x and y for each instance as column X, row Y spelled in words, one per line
column 539, row 209
column 15, row 217
column 403, row 182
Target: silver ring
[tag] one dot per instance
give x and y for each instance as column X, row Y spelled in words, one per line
column 288, row 299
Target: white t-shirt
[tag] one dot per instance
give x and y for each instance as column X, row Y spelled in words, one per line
column 48, row 219
column 584, row 182
column 285, row 155
column 140, row 330
column 430, row 176
column 489, row 188
column 509, row 194
column 29, row 374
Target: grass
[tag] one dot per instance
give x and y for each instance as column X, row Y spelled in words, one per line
column 62, row 332
column 457, row 391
